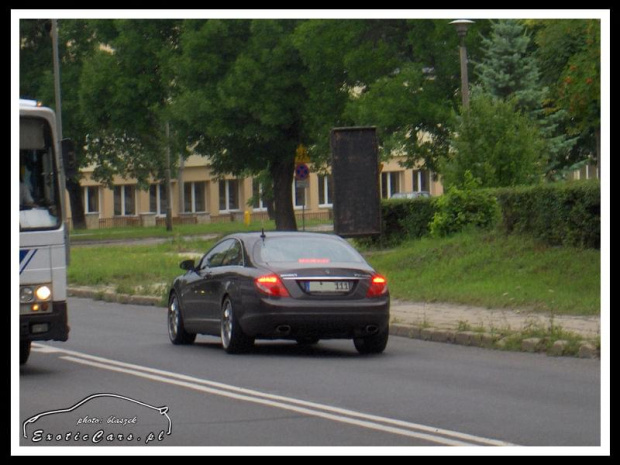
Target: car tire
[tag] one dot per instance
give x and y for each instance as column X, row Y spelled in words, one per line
column 176, row 328
column 374, row 344
column 234, row 340
column 24, row 351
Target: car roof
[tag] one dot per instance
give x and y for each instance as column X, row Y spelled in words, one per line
column 273, row 234
column 252, row 237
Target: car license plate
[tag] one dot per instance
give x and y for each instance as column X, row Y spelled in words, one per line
column 327, row 286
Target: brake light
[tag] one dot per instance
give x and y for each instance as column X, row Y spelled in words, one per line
column 378, row 286
column 271, row 285
column 314, row 260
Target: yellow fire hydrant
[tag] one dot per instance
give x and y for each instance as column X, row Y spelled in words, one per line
column 246, row 217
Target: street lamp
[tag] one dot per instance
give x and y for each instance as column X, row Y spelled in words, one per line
column 461, row 29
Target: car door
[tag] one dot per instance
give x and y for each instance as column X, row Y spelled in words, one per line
column 222, row 280
column 201, row 309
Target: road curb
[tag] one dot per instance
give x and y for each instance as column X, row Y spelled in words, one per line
column 111, row 296
column 586, row 349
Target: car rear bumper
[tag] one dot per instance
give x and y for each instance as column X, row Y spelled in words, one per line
column 293, row 319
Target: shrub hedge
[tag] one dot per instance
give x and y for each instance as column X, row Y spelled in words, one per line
column 567, row 214
column 407, row 219
column 462, row 208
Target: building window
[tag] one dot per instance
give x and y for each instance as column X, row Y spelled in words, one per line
column 194, row 197
column 91, row 199
column 421, row 180
column 124, row 200
column 390, row 184
column 158, row 199
column 299, row 195
column 325, row 191
column 229, row 195
column 258, row 205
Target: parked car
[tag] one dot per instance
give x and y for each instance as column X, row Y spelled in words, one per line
column 280, row 285
column 410, row 195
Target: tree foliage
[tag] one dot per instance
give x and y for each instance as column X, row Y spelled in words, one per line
column 124, row 94
column 243, row 79
column 569, row 54
column 496, row 143
column 507, row 69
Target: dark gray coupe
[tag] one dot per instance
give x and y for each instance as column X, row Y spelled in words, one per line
column 280, row 285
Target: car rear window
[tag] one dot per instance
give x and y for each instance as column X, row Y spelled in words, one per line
column 306, row 251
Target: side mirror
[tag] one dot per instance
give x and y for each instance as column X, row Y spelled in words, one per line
column 188, row 265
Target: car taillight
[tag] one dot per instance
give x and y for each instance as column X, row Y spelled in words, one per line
column 378, row 286
column 271, row 285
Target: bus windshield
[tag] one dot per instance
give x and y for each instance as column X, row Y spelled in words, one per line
column 39, row 201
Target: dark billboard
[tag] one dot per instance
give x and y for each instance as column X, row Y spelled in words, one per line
column 355, row 172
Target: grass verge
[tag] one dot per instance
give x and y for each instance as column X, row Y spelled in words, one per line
column 493, row 270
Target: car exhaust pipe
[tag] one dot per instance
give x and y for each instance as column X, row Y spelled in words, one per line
column 283, row 330
column 371, row 329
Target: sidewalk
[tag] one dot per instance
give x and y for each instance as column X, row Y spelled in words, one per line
column 456, row 324
column 495, row 328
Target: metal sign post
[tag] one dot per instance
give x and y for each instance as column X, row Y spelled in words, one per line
column 301, row 180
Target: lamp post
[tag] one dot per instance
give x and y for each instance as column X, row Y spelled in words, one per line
column 461, row 29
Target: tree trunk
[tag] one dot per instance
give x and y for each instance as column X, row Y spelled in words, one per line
column 282, row 174
column 76, row 202
column 72, row 184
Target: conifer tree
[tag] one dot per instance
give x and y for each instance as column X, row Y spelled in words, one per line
column 507, row 69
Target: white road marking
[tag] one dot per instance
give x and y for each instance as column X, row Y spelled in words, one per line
column 364, row 420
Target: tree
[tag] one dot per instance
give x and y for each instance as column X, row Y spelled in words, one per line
column 401, row 76
column 125, row 90
column 509, row 70
column 496, row 143
column 569, row 53
column 241, row 97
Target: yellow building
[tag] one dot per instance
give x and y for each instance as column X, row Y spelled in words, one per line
column 206, row 199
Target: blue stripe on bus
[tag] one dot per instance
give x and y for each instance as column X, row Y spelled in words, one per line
column 25, row 256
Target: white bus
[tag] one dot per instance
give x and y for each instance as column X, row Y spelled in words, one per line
column 43, row 232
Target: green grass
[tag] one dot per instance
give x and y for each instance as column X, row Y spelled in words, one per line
column 127, row 267
column 476, row 268
column 493, row 270
column 222, row 228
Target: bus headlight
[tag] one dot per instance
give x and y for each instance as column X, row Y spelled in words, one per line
column 26, row 294
column 43, row 293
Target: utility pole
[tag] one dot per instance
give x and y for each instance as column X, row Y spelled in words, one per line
column 57, row 78
column 168, row 181
column 461, row 29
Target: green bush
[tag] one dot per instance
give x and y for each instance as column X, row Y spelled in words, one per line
column 566, row 214
column 402, row 219
column 406, row 219
column 463, row 207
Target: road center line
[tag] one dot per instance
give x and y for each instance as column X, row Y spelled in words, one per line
column 388, row 425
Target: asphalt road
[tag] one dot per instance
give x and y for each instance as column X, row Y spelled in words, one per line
column 110, row 384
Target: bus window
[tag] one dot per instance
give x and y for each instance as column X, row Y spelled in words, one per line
column 39, row 201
